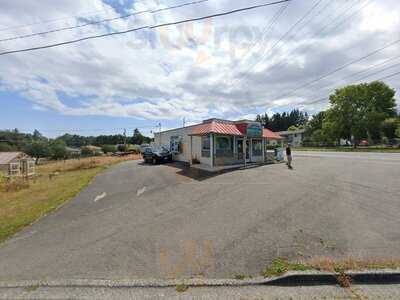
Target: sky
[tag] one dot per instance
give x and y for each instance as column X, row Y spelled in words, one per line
column 264, row 60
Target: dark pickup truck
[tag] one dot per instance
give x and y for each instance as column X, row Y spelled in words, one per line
column 156, row 154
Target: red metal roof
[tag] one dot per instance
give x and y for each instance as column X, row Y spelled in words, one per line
column 229, row 129
column 271, row 135
column 216, row 127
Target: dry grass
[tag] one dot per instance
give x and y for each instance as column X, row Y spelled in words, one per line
column 23, row 202
column 83, row 163
column 13, row 184
column 346, row 264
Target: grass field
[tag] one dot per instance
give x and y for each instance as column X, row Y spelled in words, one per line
column 349, row 149
column 24, row 201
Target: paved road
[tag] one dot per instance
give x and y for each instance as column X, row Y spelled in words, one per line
column 361, row 292
column 141, row 221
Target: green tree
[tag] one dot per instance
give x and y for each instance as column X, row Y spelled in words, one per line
column 38, row 150
column 58, row 150
column 389, row 127
column 316, row 121
column 281, row 122
column 398, row 132
column 358, row 110
column 5, row 147
column 37, row 136
column 137, row 138
column 109, row 148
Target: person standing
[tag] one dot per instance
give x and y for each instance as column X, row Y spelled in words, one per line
column 289, row 156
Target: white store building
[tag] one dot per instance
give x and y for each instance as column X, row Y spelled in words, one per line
column 217, row 142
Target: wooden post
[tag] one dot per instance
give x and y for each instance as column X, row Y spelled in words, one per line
column 263, row 149
column 212, row 149
column 245, row 150
column 191, row 150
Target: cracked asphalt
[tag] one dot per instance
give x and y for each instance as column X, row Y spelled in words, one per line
column 143, row 221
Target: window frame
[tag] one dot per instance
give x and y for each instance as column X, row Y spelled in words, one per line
column 256, row 151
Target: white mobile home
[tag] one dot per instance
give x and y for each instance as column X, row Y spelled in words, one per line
column 217, row 142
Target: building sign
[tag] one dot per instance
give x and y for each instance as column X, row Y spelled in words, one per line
column 254, row 130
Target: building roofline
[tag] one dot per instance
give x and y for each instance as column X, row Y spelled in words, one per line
column 291, row 131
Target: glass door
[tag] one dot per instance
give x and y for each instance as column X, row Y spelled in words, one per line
column 240, row 149
column 248, row 145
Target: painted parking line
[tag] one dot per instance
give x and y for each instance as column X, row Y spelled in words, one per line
column 99, row 197
column 141, row 191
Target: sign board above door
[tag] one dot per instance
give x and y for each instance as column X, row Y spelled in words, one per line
column 254, row 129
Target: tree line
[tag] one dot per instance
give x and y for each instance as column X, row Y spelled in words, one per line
column 365, row 111
column 37, row 145
column 284, row 121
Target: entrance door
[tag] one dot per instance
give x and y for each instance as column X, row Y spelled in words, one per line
column 248, row 145
column 240, row 149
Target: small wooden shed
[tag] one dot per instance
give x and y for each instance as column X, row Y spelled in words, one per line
column 16, row 164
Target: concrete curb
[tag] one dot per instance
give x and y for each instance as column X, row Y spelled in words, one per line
column 292, row 278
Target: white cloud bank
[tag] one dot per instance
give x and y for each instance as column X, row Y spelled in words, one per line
column 213, row 68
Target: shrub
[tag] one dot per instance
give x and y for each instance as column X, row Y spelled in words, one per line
column 135, row 149
column 109, row 148
column 13, row 184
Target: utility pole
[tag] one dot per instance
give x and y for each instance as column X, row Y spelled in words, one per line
column 125, row 139
column 184, row 121
column 159, row 134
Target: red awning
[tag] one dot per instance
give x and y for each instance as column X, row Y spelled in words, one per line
column 271, row 135
column 229, row 129
column 216, row 127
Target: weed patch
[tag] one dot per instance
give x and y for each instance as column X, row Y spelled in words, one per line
column 181, row 288
column 342, row 265
column 13, row 184
column 281, row 265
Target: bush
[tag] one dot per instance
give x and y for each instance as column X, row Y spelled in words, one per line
column 135, row 149
column 13, row 184
column 109, row 148
column 385, row 140
column 58, row 150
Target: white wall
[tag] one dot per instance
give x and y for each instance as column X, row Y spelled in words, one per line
column 165, row 137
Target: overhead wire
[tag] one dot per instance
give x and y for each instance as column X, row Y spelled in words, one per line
column 102, row 21
column 270, row 49
column 322, row 30
column 142, row 28
column 341, row 68
column 379, row 79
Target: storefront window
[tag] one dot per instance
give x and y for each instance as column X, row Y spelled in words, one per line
column 257, row 148
column 224, row 146
column 205, row 146
column 224, row 143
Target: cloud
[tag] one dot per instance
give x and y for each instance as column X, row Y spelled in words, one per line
column 220, row 68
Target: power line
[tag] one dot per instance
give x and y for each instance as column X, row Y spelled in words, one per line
column 341, row 22
column 324, row 87
column 238, row 81
column 267, row 29
column 327, row 98
column 52, row 20
column 101, row 21
column 341, row 68
column 72, row 27
column 220, row 14
column 143, row 27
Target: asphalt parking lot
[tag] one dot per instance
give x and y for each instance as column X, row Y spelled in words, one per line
column 143, row 221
